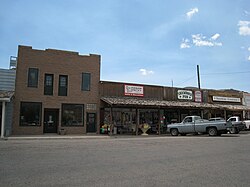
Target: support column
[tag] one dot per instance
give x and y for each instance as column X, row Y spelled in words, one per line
column 159, row 122
column 225, row 114
column 137, row 121
column 111, row 121
column 3, row 120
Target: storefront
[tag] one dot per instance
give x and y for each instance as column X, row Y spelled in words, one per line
column 126, row 108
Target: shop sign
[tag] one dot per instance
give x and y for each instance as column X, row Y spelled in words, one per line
column 132, row 90
column 226, row 99
column 198, row 96
column 185, row 94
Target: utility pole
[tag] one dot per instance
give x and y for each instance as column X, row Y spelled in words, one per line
column 198, row 75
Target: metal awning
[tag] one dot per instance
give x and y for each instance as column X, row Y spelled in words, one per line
column 6, row 95
column 125, row 101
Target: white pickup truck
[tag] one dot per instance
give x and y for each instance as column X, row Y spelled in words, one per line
column 245, row 124
column 194, row 124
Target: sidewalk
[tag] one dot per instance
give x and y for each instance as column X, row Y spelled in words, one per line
column 86, row 136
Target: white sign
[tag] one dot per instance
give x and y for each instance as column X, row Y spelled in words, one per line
column 198, row 96
column 226, row 99
column 132, row 90
column 185, row 94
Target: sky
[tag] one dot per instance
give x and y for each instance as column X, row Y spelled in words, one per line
column 155, row 42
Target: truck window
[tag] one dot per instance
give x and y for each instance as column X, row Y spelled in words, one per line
column 188, row 120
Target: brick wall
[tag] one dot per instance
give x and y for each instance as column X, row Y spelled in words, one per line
column 55, row 62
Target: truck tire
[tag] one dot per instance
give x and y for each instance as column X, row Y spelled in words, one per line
column 212, row 131
column 174, row 132
column 234, row 130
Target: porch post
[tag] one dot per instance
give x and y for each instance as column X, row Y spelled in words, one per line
column 159, row 121
column 3, row 120
column 137, row 121
column 111, row 121
column 225, row 114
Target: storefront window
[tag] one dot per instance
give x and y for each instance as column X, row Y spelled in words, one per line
column 72, row 115
column 30, row 114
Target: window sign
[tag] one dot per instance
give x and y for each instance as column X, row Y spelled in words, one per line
column 185, row 94
column 198, row 96
column 131, row 90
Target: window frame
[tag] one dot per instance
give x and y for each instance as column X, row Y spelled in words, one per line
column 84, row 87
column 33, row 83
column 61, row 89
column 62, row 113
column 20, row 114
column 48, row 90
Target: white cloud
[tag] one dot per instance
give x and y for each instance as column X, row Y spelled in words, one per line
column 244, row 28
column 185, row 44
column 248, row 49
column 215, row 37
column 146, row 72
column 192, row 12
column 199, row 40
column 249, row 58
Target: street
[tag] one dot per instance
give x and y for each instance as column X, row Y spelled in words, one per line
column 133, row 161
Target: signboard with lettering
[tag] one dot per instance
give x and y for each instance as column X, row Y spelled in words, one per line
column 226, row 99
column 133, row 90
column 185, row 94
column 198, row 96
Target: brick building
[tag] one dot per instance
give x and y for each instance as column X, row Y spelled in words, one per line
column 56, row 91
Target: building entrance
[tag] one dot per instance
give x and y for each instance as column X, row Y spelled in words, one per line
column 51, row 120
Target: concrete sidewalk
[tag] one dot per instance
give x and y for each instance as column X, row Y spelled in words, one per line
column 56, row 136
column 86, row 136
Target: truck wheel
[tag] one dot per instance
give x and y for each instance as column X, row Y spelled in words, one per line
column 174, row 132
column 234, row 130
column 212, row 131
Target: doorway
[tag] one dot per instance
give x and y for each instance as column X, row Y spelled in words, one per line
column 91, row 122
column 50, row 120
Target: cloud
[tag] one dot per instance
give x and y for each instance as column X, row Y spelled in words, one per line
column 185, row 44
column 246, row 13
column 192, row 12
column 199, row 40
column 248, row 49
column 244, row 28
column 146, row 72
column 215, row 37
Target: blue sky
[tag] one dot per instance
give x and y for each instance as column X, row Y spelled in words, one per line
column 140, row 41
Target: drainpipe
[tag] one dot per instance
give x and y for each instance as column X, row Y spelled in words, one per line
column 3, row 120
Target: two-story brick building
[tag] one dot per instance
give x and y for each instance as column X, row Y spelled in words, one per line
column 56, row 91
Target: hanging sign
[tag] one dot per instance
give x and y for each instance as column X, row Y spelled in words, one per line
column 133, row 90
column 198, row 96
column 185, row 94
column 226, row 99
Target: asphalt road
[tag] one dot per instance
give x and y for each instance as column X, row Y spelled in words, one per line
column 158, row 161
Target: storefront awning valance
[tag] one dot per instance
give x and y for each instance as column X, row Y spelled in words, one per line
column 138, row 102
column 6, row 95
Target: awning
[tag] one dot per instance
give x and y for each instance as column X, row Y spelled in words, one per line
column 6, row 95
column 124, row 101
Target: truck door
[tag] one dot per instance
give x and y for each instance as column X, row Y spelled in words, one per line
column 188, row 125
